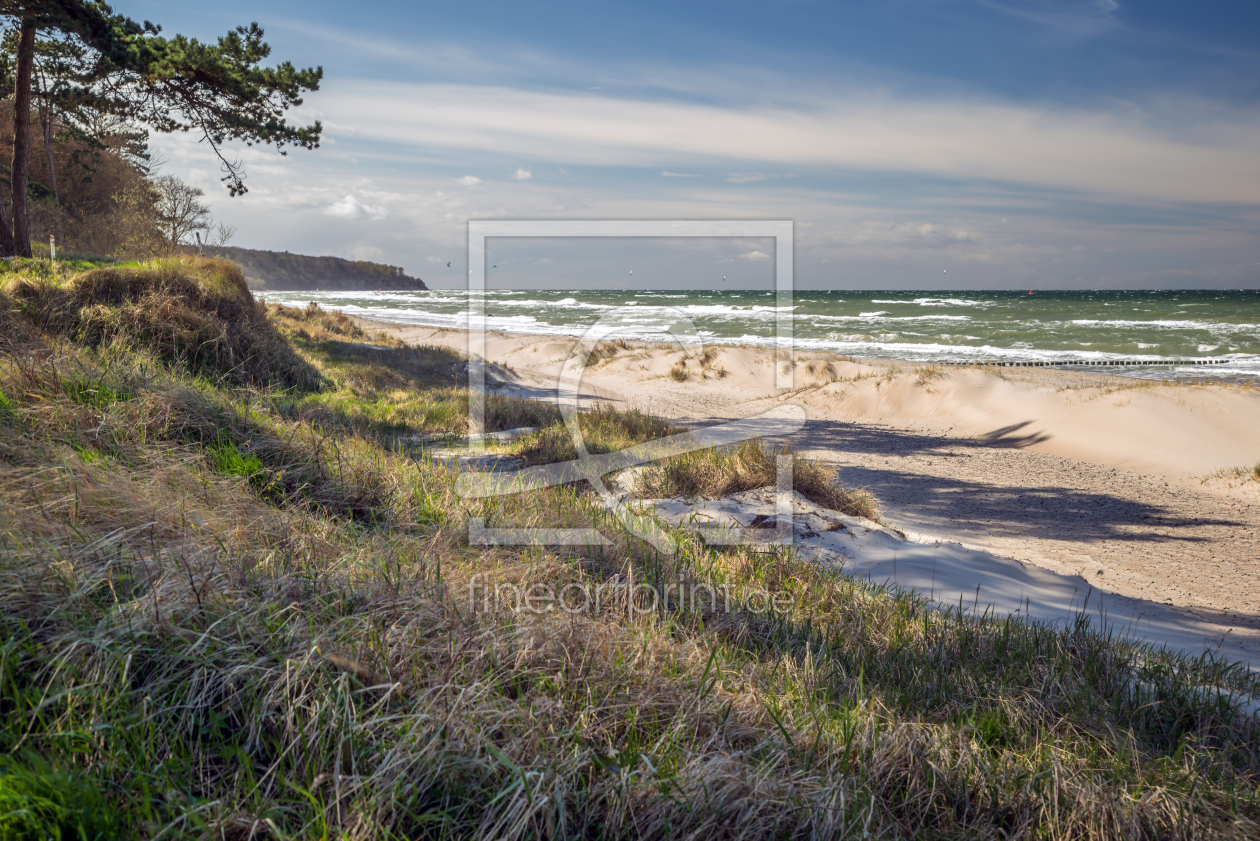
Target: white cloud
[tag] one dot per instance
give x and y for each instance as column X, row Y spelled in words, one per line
column 522, row 174
column 860, row 238
column 745, row 177
column 852, row 239
column 468, row 181
column 352, row 208
column 339, row 128
column 668, row 174
column 754, row 256
column 1206, row 155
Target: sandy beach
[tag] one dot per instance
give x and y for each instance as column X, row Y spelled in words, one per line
column 1107, row 478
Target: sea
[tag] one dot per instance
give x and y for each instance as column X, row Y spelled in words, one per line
column 1156, row 334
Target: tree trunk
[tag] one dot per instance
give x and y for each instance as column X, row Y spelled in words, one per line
column 6, row 231
column 22, row 138
column 46, row 124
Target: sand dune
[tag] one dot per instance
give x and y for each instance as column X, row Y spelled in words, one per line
column 1101, row 478
column 1181, row 431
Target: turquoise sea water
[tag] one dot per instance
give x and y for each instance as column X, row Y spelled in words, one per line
column 1053, row 327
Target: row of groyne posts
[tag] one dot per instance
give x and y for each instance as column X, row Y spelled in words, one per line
column 1090, row 363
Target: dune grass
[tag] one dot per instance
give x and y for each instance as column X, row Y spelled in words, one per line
column 606, row 351
column 385, row 387
column 191, row 311
column 195, row 652
column 709, row 473
column 716, row 473
column 604, row 430
column 1244, row 473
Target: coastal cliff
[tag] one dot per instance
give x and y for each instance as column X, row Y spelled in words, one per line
column 281, row 271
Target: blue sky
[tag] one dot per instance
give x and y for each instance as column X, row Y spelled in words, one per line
column 1016, row 143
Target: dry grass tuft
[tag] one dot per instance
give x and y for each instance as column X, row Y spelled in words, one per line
column 716, row 473
column 890, row 374
column 1245, row 474
column 926, row 374
column 190, row 311
column 824, row 369
column 606, row 351
column 314, row 323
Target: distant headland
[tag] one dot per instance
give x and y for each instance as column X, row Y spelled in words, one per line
column 281, row 271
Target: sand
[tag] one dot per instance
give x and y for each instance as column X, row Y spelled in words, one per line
column 1106, row 480
column 959, row 576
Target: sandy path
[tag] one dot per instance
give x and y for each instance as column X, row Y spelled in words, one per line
column 1125, row 532
column 1083, row 474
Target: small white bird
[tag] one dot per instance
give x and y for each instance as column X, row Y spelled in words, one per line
column 944, row 271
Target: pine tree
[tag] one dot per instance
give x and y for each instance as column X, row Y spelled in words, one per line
column 129, row 71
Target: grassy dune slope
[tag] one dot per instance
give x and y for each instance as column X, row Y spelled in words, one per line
column 233, row 605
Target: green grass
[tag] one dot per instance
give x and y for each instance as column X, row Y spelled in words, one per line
column 196, row 654
column 604, row 430
column 86, row 454
column 53, row 272
column 39, row 803
column 228, row 460
column 96, row 394
column 385, row 387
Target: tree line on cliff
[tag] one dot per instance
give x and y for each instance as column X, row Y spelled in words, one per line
column 280, row 270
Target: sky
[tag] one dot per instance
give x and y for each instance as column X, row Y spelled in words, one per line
column 915, row 144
